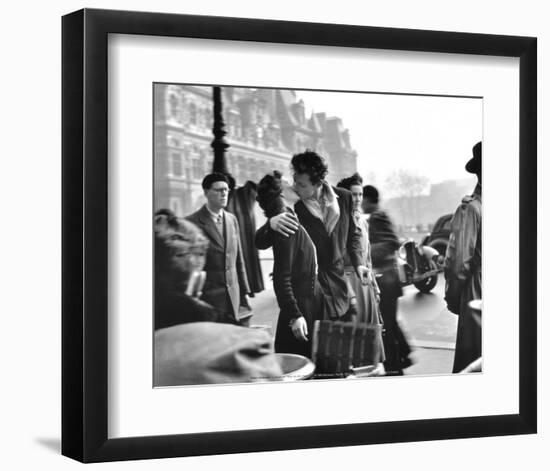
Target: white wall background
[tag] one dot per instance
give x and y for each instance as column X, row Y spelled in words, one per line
column 30, row 245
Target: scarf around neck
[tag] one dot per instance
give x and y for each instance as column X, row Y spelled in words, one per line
column 325, row 207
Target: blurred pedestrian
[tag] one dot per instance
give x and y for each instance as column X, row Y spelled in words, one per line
column 204, row 352
column 180, row 252
column 384, row 243
column 463, row 269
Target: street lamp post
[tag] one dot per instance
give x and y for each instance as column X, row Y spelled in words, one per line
column 219, row 144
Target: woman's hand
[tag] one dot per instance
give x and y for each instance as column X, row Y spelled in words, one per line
column 299, row 328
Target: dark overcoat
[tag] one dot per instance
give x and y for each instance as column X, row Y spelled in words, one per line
column 384, row 243
column 463, row 277
column 242, row 201
column 330, row 248
column 226, row 282
column 297, row 289
column 173, row 308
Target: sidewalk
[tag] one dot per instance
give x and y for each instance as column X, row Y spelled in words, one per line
column 431, row 361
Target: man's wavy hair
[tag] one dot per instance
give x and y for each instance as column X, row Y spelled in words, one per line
column 348, row 182
column 311, row 163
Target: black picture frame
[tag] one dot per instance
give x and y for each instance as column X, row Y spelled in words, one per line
column 85, row 257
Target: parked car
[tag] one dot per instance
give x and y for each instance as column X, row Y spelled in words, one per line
column 439, row 237
column 418, row 265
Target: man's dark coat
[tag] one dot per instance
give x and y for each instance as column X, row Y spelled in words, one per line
column 345, row 238
column 384, row 243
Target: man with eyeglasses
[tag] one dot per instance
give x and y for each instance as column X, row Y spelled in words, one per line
column 226, row 285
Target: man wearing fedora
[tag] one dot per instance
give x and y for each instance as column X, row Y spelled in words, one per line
column 463, row 269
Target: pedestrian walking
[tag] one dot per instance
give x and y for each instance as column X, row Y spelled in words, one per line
column 384, row 243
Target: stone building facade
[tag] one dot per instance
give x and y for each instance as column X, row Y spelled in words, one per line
column 265, row 127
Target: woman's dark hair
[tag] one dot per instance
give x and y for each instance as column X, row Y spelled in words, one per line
column 269, row 193
column 370, row 193
column 348, row 182
column 311, row 163
column 213, row 178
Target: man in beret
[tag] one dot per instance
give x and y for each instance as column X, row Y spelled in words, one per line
column 213, row 353
column 193, row 341
column 226, row 286
column 180, row 253
column 463, row 269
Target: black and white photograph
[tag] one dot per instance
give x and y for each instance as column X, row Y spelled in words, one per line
column 314, row 234
column 257, row 235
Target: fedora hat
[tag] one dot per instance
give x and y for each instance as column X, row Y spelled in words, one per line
column 474, row 164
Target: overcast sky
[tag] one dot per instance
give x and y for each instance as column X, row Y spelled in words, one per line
column 431, row 136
